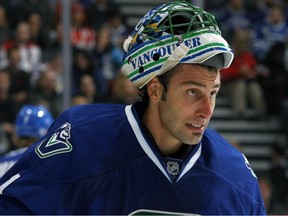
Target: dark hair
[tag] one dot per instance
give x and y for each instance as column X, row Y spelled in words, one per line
column 164, row 80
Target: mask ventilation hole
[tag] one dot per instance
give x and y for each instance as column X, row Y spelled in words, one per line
column 156, row 56
column 141, row 69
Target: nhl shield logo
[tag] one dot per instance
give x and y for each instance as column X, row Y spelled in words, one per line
column 173, row 168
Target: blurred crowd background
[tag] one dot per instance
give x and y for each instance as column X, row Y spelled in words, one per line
column 31, row 64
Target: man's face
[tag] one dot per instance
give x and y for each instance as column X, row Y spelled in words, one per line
column 188, row 105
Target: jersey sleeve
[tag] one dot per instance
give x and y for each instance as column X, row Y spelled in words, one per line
column 72, row 149
column 26, row 187
column 26, row 193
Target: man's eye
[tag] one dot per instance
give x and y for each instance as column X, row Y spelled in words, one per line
column 192, row 92
column 214, row 93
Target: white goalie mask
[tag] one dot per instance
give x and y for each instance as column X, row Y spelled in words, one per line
column 172, row 33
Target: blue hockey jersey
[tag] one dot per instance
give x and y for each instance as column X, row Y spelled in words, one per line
column 98, row 159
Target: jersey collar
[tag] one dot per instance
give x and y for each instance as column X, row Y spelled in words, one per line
column 153, row 153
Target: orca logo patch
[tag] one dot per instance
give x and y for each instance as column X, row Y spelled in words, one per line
column 58, row 143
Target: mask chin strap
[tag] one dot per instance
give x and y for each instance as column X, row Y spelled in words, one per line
column 174, row 58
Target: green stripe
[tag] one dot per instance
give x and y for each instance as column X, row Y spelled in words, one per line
column 150, row 65
column 161, row 43
column 205, row 46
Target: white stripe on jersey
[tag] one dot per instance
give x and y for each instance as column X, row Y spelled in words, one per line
column 142, row 141
column 7, row 183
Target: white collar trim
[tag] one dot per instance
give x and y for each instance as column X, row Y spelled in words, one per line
column 136, row 129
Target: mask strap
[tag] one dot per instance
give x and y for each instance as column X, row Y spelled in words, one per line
column 174, row 58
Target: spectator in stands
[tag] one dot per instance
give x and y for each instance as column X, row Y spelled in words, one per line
column 82, row 65
column 19, row 10
column 55, row 40
column 272, row 30
column 268, row 42
column 8, row 108
column 20, row 80
column 5, row 30
column 106, row 67
column 88, row 89
column 240, row 82
column 56, row 64
column 38, row 34
column 99, row 11
column 257, row 9
column 117, row 27
column 233, row 16
column 45, row 92
column 30, row 53
column 118, row 31
column 82, row 35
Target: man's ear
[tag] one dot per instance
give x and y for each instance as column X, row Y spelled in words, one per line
column 154, row 89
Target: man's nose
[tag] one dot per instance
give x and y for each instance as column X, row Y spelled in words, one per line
column 206, row 107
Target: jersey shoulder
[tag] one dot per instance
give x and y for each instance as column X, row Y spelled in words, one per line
column 84, row 140
column 223, row 155
column 228, row 162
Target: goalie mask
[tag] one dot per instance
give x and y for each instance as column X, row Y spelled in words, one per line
column 172, row 33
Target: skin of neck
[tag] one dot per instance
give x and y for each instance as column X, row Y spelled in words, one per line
column 167, row 144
